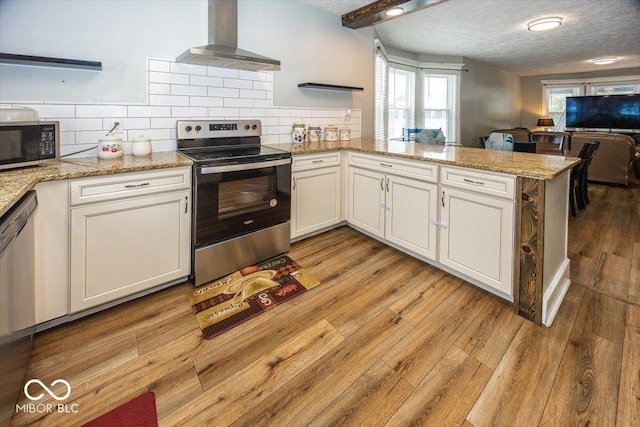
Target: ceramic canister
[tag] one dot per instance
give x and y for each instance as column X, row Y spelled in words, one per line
column 345, row 134
column 315, row 132
column 141, row 146
column 331, row 133
column 110, row 147
column 298, row 132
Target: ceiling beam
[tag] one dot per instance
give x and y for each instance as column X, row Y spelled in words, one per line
column 374, row 13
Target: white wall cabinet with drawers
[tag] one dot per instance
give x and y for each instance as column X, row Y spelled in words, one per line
column 129, row 233
column 315, row 193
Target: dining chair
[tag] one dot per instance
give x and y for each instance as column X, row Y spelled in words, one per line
column 578, row 176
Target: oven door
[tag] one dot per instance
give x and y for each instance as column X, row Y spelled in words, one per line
column 236, row 199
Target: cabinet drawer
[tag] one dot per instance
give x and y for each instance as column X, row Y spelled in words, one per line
column 313, row 161
column 112, row 187
column 479, row 182
column 414, row 169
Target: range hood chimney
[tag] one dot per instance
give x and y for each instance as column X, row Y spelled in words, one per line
column 222, row 50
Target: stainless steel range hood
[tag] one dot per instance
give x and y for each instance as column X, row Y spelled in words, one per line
column 222, row 50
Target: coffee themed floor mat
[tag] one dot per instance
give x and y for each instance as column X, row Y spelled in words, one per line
column 236, row 298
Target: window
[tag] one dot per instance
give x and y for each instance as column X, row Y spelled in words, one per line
column 614, row 89
column 556, row 103
column 408, row 97
column 441, row 103
column 401, row 101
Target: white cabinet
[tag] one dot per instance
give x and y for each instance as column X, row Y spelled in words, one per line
column 398, row 209
column 51, row 256
column 131, row 234
column 316, row 195
column 477, row 228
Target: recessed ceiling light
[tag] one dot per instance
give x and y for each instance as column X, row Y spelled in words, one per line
column 604, row 61
column 544, row 24
column 396, row 11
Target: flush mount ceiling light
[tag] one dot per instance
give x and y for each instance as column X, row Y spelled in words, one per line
column 544, row 24
column 604, row 61
column 396, row 11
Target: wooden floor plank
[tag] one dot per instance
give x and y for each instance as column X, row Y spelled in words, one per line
column 634, row 280
column 420, row 350
column 586, row 386
column 370, row 401
column 629, row 394
column 309, row 393
column 611, row 275
column 527, row 371
column 249, row 386
column 446, row 394
column 491, row 333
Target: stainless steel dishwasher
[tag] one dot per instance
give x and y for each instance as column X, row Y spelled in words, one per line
column 17, row 301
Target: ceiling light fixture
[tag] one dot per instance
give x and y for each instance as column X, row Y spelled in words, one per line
column 544, row 24
column 604, row 61
column 396, row 11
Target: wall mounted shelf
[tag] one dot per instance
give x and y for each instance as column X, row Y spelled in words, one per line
column 43, row 61
column 329, row 87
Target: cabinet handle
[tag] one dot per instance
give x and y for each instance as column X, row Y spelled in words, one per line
column 144, row 184
column 294, row 182
column 186, row 204
column 386, row 165
column 442, row 199
column 387, row 185
column 317, row 161
column 470, row 181
column 382, row 183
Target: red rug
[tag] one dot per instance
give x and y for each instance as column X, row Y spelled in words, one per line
column 139, row 412
column 236, row 298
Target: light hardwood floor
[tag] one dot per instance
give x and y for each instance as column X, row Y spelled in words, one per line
column 385, row 340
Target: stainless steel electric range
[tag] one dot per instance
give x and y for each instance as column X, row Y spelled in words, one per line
column 241, row 196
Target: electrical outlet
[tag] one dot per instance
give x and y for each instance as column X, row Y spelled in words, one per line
column 347, row 115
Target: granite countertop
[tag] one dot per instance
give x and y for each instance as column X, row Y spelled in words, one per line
column 530, row 165
column 14, row 183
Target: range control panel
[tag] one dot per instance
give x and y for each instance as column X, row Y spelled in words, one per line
column 203, row 129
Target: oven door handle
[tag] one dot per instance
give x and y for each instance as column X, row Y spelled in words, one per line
column 243, row 167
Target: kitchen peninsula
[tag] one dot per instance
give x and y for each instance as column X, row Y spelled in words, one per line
column 496, row 219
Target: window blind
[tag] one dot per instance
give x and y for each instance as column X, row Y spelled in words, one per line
column 381, row 96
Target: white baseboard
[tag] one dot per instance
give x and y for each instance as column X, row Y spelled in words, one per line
column 555, row 292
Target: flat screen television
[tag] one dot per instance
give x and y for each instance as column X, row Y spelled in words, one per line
column 604, row 112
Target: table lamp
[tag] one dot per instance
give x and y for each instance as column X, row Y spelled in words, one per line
column 546, row 122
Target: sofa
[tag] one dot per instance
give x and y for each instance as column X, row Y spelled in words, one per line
column 614, row 160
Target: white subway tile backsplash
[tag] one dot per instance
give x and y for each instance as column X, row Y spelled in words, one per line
column 189, row 111
column 168, row 122
column 141, row 111
column 270, row 139
column 262, row 103
column 65, row 150
column 179, row 79
column 223, row 92
column 170, row 100
column 235, row 102
column 164, row 145
column 206, row 101
column 92, row 137
column 275, row 130
column 205, row 81
column 224, row 112
column 52, row 111
column 222, row 72
column 136, row 123
column 152, row 134
column 253, row 94
column 117, row 111
column 269, row 121
column 200, row 70
column 238, row 84
column 71, row 125
column 253, row 112
column 262, row 85
column 157, row 65
column 188, row 90
column 278, row 112
column 159, row 89
column 67, row 138
column 252, row 75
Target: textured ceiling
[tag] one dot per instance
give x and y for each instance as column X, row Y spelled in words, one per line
column 495, row 32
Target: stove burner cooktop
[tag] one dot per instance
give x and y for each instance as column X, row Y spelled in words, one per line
column 230, row 155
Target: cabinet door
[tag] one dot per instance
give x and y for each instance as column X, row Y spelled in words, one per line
column 121, row 248
column 315, row 200
column 476, row 237
column 412, row 214
column 367, row 200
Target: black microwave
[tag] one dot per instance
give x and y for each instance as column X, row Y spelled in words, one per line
column 28, row 143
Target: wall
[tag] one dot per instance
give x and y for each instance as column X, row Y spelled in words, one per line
column 532, row 90
column 489, row 99
column 311, row 44
column 182, row 92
